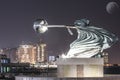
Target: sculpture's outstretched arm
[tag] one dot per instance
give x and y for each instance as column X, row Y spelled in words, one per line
column 42, row 26
column 61, row 26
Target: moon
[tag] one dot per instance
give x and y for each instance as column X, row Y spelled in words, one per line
column 112, row 7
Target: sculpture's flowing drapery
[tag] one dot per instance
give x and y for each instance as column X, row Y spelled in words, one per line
column 90, row 41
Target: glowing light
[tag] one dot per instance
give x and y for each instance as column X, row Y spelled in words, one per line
column 42, row 29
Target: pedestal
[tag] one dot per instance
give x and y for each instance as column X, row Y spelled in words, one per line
column 80, row 67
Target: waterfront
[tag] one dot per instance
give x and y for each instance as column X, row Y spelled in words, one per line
column 106, row 77
column 54, row 77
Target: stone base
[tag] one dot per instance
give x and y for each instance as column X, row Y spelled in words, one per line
column 80, row 67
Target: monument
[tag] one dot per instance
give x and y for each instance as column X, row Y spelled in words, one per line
column 80, row 60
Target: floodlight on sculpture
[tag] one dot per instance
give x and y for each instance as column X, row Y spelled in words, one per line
column 90, row 41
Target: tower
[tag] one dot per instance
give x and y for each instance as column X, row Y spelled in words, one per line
column 41, row 52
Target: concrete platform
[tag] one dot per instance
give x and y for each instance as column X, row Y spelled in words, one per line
column 79, row 67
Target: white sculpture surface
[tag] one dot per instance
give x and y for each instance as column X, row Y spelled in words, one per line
column 90, row 41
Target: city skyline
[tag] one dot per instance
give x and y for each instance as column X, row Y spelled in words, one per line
column 17, row 17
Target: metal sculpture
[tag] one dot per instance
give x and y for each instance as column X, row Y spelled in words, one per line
column 90, row 41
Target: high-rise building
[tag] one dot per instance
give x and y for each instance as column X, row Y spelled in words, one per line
column 32, row 53
column 41, row 52
column 105, row 57
column 26, row 54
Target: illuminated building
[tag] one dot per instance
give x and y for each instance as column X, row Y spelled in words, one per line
column 31, row 53
column 105, row 57
column 4, row 60
column 51, row 58
column 10, row 53
column 26, row 54
column 41, row 52
column 1, row 51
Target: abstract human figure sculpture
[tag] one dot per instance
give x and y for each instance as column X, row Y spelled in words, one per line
column 90, row 40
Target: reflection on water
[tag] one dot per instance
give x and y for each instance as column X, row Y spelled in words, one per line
column 107, row 77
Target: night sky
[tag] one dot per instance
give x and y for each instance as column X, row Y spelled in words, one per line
column 17, row 17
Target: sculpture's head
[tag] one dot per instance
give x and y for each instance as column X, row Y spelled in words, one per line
column 40, row 25
column 82, row 23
